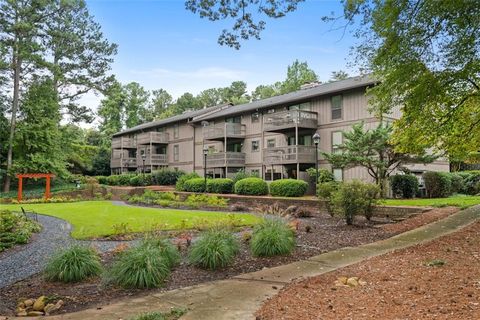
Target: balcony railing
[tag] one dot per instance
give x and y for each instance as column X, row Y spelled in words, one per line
column 290, row 119
column 123, row 143
column 225, row 159
column 152, row 137
column 289, row 154
column 153, row 160
column 123, row 163
column 224, row 130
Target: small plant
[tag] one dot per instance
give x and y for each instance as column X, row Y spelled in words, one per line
column 121, row 229
column 272, row 237
column 73, row 264
column 325, row 193
column 140, row 267
column 274, row 209
column 108, row 196
column 435, row 263
column 246, row 236
column 15, row 228
column 324, row 175
column 288, row 188
column 215, row 249
column 251, row 186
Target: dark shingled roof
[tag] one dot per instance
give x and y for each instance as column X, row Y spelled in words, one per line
column 227, row 110
column 296, row 96
column 181, row 117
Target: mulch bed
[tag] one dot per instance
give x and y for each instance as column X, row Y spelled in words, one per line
column 326, row 234
column 436, row 280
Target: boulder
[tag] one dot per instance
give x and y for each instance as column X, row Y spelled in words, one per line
column 39, row 304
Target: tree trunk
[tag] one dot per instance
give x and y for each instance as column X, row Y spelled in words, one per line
column 17, row 68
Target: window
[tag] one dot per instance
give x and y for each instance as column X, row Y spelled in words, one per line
column 271, row 143
column 338, row 174
column 337, row 104
column 301, row 106
column 175, row 131
column 236, row 119
column 337, row 139
column 271, row 111
column 255, row 173
column 255, row 145
column 161, row 129
column 176, row 153
column 255, row 117
column 234, row 147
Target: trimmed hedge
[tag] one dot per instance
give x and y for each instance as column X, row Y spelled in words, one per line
column 194, row 185
column 166, row 177
column 251, row 186
column 180, row 185
column 404, row 185
column 288, row 188
column 438, row 184
column 220, row 185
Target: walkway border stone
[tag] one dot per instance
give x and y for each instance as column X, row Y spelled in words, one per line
column 239, row 297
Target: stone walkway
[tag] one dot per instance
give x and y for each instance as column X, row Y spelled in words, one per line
column 23, row 261
column 238, row 298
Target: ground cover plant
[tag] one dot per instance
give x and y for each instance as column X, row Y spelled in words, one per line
column 216, row 248
column 174, row 314
column 272, row 237
column 170, row 199
column 15, row 228
column 92, row 219
column 462, row 201
column 74, row 264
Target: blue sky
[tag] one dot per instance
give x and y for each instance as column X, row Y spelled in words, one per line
column 162, row 45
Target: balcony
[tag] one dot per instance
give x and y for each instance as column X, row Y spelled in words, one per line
column 153, row 160
column 226, row 159
column 288, row 120
column 152, row 137
column 289, row 155
column 123, row 143
column 123, row 163
column 224, row 130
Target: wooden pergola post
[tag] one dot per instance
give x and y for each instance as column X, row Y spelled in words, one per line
column 20, row 177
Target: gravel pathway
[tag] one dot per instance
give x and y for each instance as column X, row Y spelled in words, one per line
column 23, row 261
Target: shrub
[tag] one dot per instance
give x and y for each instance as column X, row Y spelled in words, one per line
column 197, row 200
column 220, row 185
column 457, row 183
column 195, row 185
column 354, row 198
column 166, row 249
column 325, row 192
column 324, row 175
column 141, row 180
column 180, row 185
column 166, row 177
column 102, row 179
column 73, row 264
column 242, row 174
column 15, row 228
column 471, row 181
column 140, row 267
column 288, row 188
column 251, row 186
column 272, row 237
column 216, row 248
column 437, row 184
column 404, row 185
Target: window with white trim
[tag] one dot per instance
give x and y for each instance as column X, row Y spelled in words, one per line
column 337, row 106
column 338, row 174
column 337, row 139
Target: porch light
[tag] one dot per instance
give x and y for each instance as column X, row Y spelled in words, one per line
column 316, row 141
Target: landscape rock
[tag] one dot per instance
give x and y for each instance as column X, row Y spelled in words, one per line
column 39, row 304
column 28, row 302
column 49, row 308
column 22, row 314
column 352, row 282
column 34, row 313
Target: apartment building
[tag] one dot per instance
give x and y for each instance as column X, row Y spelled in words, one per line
column 270, row 137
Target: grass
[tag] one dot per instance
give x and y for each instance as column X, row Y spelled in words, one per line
column 31, row 191
column 92, row 219
column 461, row 201
column 272, row 237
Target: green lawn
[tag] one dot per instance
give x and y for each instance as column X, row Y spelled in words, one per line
column 97, row 218
column 456, row 201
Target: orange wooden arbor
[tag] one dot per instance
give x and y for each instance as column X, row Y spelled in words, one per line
column 20, row 177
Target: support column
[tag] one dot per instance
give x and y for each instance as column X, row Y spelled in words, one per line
column 20, row 186
column 47, row 188
column 296, row 146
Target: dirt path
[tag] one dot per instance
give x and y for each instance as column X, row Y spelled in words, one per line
column 436, row 280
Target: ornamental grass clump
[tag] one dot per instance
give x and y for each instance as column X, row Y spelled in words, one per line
column 74, row 264
column 140, row 267
column 272, row 237
column 166, row 248
column 215, row 249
